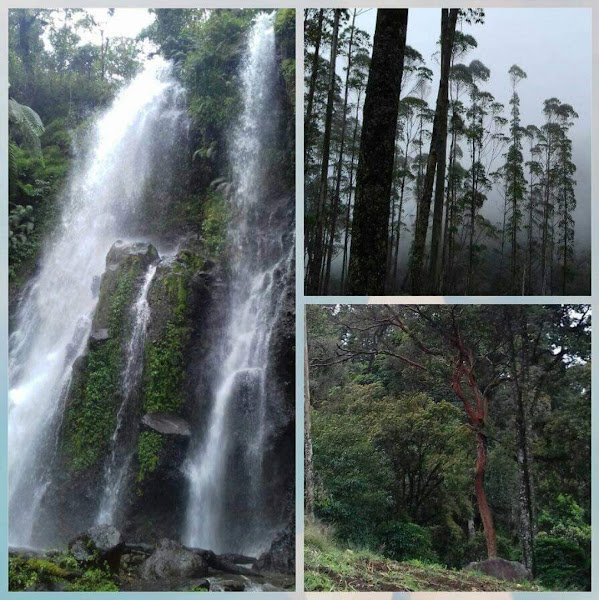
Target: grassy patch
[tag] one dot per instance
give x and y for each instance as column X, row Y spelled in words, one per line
column 328, row 567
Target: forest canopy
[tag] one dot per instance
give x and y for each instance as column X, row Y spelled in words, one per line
column 451, row 434
column 426, row 171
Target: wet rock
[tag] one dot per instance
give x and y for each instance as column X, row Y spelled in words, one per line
column 99, row 335
column 238, row 559
column 101, row 543
column 121, row 251
column 227, row 585
column 166, row 424
column 199, row 584
column 172, row 560
column 500, row 568
column 280, row 557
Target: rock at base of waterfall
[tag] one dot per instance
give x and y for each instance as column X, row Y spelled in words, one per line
column 508, row 570
column 280, row 557
column 172, row 560
column 166, row 424
column 99, row 335
column 102, row 543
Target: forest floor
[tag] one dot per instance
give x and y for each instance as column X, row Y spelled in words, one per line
column 330, row 568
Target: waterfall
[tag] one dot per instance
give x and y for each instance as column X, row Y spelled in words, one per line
column 100, row 204
column 226, row 509
column 121, row 452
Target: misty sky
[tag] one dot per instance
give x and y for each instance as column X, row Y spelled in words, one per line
column 552, row 45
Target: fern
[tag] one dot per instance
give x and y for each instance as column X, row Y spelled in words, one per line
column 28, row 124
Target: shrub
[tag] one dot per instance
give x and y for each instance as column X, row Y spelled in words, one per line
column 562, row 565
column 404, row 541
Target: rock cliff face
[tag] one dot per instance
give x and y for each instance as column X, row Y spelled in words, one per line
column 187, row 302
column 92, row 400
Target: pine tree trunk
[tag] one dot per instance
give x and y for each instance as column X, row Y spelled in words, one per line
column 448, row 24
column 520, row 382
column 313, row 80
column 349, row 197
column 315, row 259
column 336, row 198
column 367, row 261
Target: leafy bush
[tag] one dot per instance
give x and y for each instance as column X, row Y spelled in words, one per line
column 562, row 564
column 404, row 541
column 355, row 478
column 566, row 519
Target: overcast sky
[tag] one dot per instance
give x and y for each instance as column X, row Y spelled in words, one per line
column 552, row 45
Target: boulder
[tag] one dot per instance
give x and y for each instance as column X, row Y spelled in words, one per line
column 280, row 557
column 166, row 424
column 508, row 570
column 101, row 543
column 121, row 251
column 172, row 560
column 99, row 335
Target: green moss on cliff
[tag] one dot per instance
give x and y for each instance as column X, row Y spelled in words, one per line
column 95, row 393
column 165, row 355
column 165, row 361
column 149, row 445
column 285, row 36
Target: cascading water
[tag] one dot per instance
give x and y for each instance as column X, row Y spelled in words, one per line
column 99, row 206
column 121, row 452
column 226, row 509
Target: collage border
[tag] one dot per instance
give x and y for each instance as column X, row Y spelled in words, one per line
column 301, row 299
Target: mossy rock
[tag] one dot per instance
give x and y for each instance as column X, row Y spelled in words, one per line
column 95, row 393
column 172, row 299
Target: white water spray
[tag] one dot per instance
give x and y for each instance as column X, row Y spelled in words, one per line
column 105, row 192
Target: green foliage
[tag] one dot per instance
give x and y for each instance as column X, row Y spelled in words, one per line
column 562, row 564
column 355, row 477
column 29, row 573
column 214, row 223
column 149, row 446
column 91, row 415
column 565, row 519
column 288, row 70
column 402, row 541
column 368, row 446
column 62, row 571
column 163, row 370
column 95, row 394
column 28, row 125
column 285, row 34
column 211, row 67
